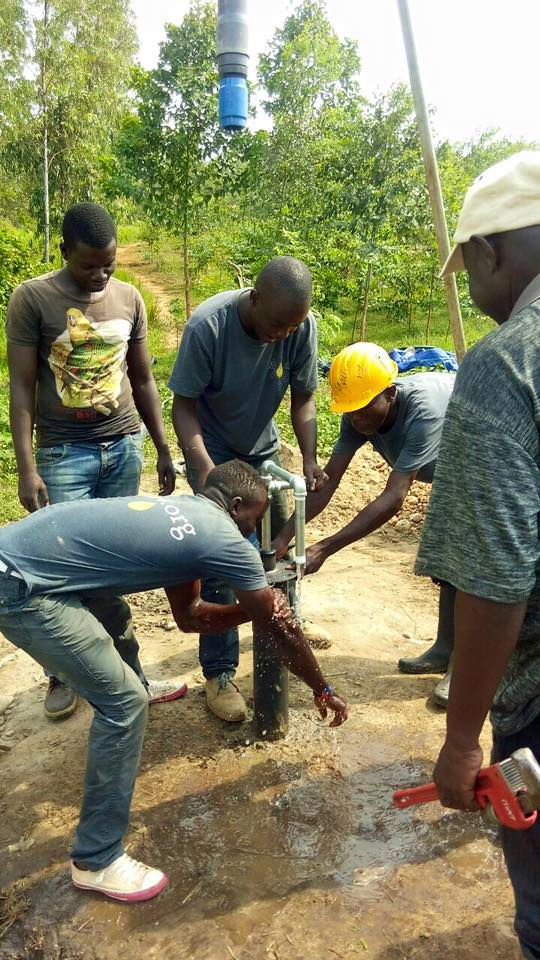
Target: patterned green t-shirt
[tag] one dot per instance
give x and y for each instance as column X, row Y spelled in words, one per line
column 481, row 530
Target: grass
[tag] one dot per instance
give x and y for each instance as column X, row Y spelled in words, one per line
column 336, row 330
column 336, row 327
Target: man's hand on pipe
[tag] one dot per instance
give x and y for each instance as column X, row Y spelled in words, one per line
column 281, row 547
column 315, row 557
column 315, row 475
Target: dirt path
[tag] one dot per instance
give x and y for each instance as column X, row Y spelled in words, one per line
column 284, row 851
column 289, row 850
column 131, row 257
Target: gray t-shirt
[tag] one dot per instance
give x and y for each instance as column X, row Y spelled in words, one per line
column 238, row 381
column 129, row 544
column 83, row 390
column 412, row 442
column 481, row 530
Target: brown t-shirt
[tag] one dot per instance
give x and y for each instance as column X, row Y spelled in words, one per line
column 83, row 390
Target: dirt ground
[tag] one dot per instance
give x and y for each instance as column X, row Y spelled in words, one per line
column 282, row 851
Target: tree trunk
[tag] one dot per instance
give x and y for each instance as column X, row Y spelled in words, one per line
column 45, row 138
column 430, row 306
column 185, row 256
column 366, row 303
column 185, row 245
column 355, row 318
column 46, row 213
column 410, row 302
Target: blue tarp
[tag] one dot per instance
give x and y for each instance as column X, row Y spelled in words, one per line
column 431, row 358
column 410, row 358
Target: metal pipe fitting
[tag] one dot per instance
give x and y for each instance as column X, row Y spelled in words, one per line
column 266, row 527
column 294, row 480
column 298, row 485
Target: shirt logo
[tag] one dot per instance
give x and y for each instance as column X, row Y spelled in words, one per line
column 180, row 526
column 279, row 371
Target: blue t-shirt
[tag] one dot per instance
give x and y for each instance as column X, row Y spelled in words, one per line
column 412, row 442
column 129, row 544
column 239, row 381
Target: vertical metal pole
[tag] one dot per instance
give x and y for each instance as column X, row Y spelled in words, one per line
column 270, row 682
column 433, row 181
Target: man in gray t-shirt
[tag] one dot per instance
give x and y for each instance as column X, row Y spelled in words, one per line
column 481, row 531
column 239, row 352
column 403, row 420
column 53, row 561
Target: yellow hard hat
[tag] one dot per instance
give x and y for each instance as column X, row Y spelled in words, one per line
column 358, row 374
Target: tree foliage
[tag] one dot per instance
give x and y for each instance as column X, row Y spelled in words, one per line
column 336, row 180
column 167, row 150
column 68, row 68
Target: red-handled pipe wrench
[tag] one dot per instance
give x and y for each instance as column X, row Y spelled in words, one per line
column 510, row 790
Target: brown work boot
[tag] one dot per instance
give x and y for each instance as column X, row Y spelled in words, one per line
column 225, row 700
column 316, row 636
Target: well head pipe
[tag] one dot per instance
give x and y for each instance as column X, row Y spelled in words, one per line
column 297, row 484
column 232, row 58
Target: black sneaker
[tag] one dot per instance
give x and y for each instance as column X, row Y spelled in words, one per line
column 60, row 701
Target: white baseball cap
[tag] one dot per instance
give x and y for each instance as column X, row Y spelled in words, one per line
column 505, row 197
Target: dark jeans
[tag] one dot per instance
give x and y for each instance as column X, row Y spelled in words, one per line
column 88, row 471
column 445, row 627
column 522, row 850
column 220, row 652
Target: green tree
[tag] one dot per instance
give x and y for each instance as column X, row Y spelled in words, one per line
column 309, row 87
column 14, row 100
column 78, row 54
column 167, row 155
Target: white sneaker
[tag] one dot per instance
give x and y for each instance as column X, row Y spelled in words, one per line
column 123, row 879
column 161, row 691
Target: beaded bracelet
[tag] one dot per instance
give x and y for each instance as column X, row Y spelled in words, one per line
column 325, row 695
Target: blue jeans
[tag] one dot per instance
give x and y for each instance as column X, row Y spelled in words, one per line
column 85, row 471
column 522, row 850
column 61, row 634
column 220, row 652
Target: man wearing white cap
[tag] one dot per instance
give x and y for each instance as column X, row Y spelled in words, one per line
column 481, row 531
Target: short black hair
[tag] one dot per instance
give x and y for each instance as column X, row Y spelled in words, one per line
column 285, row 278
column 236, row 479
column 88, row 223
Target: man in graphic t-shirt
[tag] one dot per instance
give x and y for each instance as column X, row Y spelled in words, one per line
column 80, row 373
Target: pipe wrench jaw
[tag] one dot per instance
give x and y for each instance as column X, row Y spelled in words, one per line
column 501, row 787
column 508, row 792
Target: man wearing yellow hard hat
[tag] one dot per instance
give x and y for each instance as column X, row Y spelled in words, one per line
column 402, row 419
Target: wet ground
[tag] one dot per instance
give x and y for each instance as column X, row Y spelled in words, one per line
column 282, row 851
